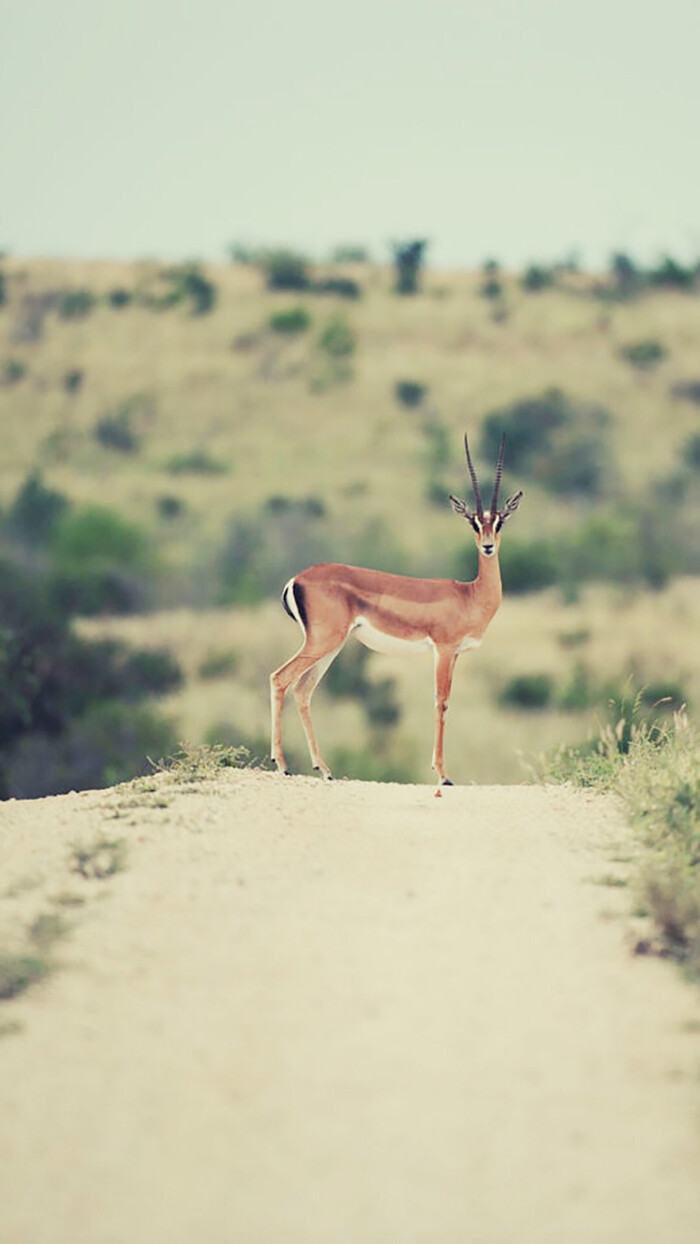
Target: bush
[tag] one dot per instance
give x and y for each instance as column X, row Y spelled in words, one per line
column 169, row 506
column 537, row 278
column 492, row 290
column 689, row 390
column 13, row 370
column 119, row 298
column 350, row 254
column 691, row 452
column 63, row 720
column 410, row 393
column 293, row 320
column 627, row 278
column 285, row 269
column 529, row 566
column 560, row 443
column 337, row 339
column 3, row 289
column 184, row 283
column 93, row 535
column 671, row 275
column 367, row 764
column 110, row 743
column 528, row 691
column 408, row 261
column 196, row 462
column 35, row 511
column 73, row 379
column 76, row 304
column 115, row 431
column 338, row 287
column 644, row 354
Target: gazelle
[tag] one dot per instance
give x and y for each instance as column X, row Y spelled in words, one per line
column 392, row 613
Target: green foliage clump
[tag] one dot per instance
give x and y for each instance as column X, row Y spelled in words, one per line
column 119, row 297
column 18, row 972
column 338, row 287
column 410, row 393
column 285, row 269
column 290, row 322
column 645, row 354
column 196, row 462
column 3, row 289
column 115, row 430
column 408, row 261
column 348, row 676
column 350, row 254
column 369, row 764
column 669, row 274
column 76, row 304
column 536, row 278
column 528, row 691
column 12, row 371
column 73, row 379
column 71, row 716
column 35, row 512
column 560, row 443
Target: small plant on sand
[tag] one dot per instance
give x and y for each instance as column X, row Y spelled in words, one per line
column 19, row 971
column 99, row 859
column 201, row 762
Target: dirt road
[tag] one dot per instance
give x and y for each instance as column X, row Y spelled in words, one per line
column 342, row 1014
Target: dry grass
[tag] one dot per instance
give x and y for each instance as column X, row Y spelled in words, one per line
column 364, row 456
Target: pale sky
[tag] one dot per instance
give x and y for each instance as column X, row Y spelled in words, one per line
column 522, row 131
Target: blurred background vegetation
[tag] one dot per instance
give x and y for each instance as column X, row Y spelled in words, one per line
column 179, row 440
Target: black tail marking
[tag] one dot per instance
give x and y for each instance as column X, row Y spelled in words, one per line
column 299, row 594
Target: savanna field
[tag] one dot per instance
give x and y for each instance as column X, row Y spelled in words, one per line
column 178, row 442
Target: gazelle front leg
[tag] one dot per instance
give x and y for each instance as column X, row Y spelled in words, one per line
column 445, row 660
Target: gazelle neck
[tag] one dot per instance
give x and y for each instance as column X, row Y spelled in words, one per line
column 487, row 584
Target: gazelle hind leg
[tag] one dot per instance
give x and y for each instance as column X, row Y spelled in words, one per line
column 303, row 691
column 288, row 675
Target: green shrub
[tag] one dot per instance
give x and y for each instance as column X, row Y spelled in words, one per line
column 220, row 664
column 110, row 743
column 35, row 511
column 285, row 269
column 627, row 279
column 3, row 289
column 438, row 445
column 689, row 390
column 183, row 283
column 644, row 354
column 337, row 339
column 290, row 322
column 338, row 287
column 408, row 261
column 18, row 972
column 669, row 274
column 350, row 254
column 560, row 443
column 73, row 380
column 491, row 289
column 115, row 431
column 528, row 691
column 410, row 393
column 95, row 535
column 120, row 297
column 579, row 692
column 13, row 370
column 690, row 452
column 529, row 565
column 169, row 506
column 76, row 304
column 196, row 462
column 368, row 764
column 537, row 278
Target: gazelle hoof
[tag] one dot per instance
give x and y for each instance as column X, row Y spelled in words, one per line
column 446, row 782
column 327, row 775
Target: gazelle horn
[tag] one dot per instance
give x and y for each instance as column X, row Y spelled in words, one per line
column 475, row 482
column 497, row 482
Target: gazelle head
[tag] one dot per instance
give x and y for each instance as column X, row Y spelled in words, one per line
column 486, row 524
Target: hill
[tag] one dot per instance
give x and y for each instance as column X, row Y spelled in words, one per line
column 241, row 449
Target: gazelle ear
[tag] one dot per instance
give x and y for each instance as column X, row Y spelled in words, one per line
column 510, row 506
column 461, row 508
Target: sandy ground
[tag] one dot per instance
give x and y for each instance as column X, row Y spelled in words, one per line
column 342, row 1014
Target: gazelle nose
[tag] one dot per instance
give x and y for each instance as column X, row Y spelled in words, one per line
column 487, row 548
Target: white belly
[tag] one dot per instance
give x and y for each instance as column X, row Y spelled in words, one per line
column 468, row 642
column 379, row 642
